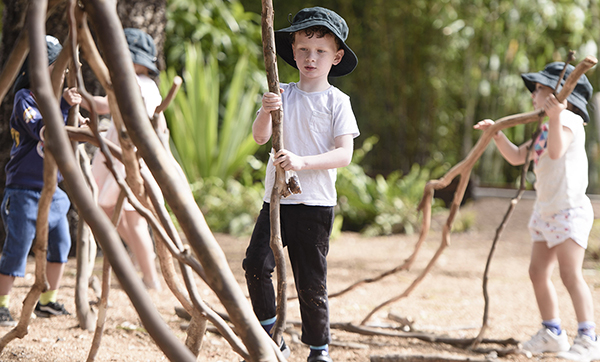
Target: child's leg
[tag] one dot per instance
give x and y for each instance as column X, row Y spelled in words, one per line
column 306, row 230
column 540, row 272
column 133, row 228
column 59, row 239
column 570, row 260
column 19, row 214
column 259, row 265
column 54, row 272
column 586, row 346
column 6, row 283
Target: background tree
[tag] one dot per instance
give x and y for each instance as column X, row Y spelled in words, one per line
column 428, row 70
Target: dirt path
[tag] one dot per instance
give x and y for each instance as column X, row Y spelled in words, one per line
column 449, row 301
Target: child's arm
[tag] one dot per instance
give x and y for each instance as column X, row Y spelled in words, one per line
column 511, row 153
column 559, row 136
column 262, row 128
column 72, row 96
column 101, row 103
column 338, row 157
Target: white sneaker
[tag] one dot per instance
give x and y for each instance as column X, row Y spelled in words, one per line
column 546, row 341
column 583, row 349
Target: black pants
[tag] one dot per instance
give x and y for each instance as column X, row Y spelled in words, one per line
column 305, row 230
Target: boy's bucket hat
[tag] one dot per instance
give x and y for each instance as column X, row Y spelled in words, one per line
column 142, row 48
column 317, row 16
column 549, row 77
column 53, row 48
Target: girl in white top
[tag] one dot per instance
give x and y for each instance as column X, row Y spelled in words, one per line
column 562, row 217
column 133, row 228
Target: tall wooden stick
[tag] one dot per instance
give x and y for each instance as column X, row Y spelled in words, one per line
column 279, row 187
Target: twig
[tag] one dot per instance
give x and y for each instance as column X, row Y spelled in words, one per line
column 417, row 358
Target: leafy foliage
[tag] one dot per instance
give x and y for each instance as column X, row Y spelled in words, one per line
column 228, row 205
column 211, row 140
column 380, row 205
column 222, row 29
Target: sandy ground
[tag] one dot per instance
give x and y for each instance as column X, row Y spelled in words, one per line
column 448, row 302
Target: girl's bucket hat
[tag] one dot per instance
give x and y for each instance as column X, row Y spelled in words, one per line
column 549, row 77
column 142, row 49
column 317, row 16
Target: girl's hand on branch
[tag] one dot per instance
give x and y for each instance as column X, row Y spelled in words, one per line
column 288, row 160
column 72, row 96
column 553, row 107
column 271, row 101
column 484, row 125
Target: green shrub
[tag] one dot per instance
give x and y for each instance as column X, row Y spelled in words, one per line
column 464, row 221
column 381, row 205
column 228, row 206
column 220, row 27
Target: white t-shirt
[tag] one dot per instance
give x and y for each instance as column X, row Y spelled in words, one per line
column 561, row 184
column 311, row 122
column 108, row 188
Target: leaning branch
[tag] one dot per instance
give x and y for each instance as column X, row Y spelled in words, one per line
column 463, row 169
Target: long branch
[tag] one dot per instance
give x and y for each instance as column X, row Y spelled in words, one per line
column 280, row 188
column 219, row 276
column 58, row 144
column 464, row 168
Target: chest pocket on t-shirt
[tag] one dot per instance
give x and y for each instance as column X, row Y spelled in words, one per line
column 320, row 122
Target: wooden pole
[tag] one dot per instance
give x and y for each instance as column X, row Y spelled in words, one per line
column 279, row 187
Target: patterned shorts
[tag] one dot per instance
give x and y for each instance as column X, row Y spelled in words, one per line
column 573, row 224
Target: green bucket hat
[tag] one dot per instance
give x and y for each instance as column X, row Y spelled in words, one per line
column 549, row 77
column 311, row 17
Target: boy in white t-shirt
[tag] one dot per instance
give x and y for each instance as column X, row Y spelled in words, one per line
column 318, row 131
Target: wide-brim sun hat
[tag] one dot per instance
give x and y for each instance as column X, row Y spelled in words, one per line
column 142, row 48
column 549, row 77
column 314, row 16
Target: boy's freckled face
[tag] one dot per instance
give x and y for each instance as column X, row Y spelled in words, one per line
column 539, row 95
column 315, row 56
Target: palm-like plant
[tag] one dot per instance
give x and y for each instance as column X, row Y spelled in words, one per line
column 210, row 137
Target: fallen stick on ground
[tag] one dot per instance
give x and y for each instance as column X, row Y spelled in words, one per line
column 416, row 358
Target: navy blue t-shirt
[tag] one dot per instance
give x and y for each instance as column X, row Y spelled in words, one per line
column 26, row 165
